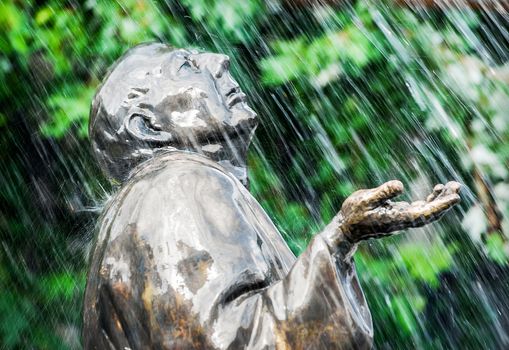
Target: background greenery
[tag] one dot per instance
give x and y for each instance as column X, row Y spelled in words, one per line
column 350, row 96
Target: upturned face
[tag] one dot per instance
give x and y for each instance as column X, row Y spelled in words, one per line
column 158, row 98
column 191, row 99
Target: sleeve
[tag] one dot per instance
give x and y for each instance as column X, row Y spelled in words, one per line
column 318, row 305
column 200, row 274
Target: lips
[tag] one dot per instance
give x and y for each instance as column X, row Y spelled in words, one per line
column 235, row 96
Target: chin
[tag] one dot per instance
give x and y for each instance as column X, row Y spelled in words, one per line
column 245, row 118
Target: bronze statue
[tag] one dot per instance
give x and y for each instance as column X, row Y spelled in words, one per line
column 185, row 258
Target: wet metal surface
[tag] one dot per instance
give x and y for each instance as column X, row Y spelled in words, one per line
column 185, row 257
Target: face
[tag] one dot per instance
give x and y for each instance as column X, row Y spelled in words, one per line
column 192, row 98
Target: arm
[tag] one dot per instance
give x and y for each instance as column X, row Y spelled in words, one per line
column 319, row 304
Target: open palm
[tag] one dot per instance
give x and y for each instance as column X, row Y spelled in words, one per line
column 371, row 213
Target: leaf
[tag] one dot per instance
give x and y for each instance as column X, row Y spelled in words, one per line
column 277, row 70
column 62, row 286
column 425, row 263
column 70, row 107
column 495, row 247
column 404, row 312
column 43, row 15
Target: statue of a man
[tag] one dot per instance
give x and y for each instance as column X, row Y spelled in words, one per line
column 185, row 258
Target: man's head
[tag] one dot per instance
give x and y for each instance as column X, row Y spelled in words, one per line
column 158, row 97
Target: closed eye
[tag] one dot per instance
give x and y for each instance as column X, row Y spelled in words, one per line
column 186, row 64
column 189, row 64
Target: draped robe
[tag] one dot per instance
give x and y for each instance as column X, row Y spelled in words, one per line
column 185, row 258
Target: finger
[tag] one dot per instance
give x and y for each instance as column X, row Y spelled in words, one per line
column 443, row 203
column 375, row 197
column 401, row 215
column 452, row 187
column 436, row 191
column 423, row 214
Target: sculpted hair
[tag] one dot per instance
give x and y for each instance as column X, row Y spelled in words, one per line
column 116, row 151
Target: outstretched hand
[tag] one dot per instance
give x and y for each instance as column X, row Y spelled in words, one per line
column 371, row 213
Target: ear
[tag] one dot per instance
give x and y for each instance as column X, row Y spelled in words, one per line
column 144, row 128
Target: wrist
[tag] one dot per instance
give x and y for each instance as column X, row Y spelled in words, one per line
column 337, row 239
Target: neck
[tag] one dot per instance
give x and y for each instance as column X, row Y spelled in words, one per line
column 232, row 158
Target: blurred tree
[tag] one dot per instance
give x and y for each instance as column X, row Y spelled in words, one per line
column 350, row 95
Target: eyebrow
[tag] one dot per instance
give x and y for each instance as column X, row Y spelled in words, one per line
column 136, row 92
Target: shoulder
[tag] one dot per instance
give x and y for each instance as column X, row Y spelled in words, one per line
column 179, row 166
column 177, row 175
column 168, row 188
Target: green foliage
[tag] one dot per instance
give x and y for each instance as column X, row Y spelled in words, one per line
column 397, row 277
column 496, row 248
column 349, row 97
column 227, row 17
column 69, row 107
column 426, row 264
column 330, row 54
